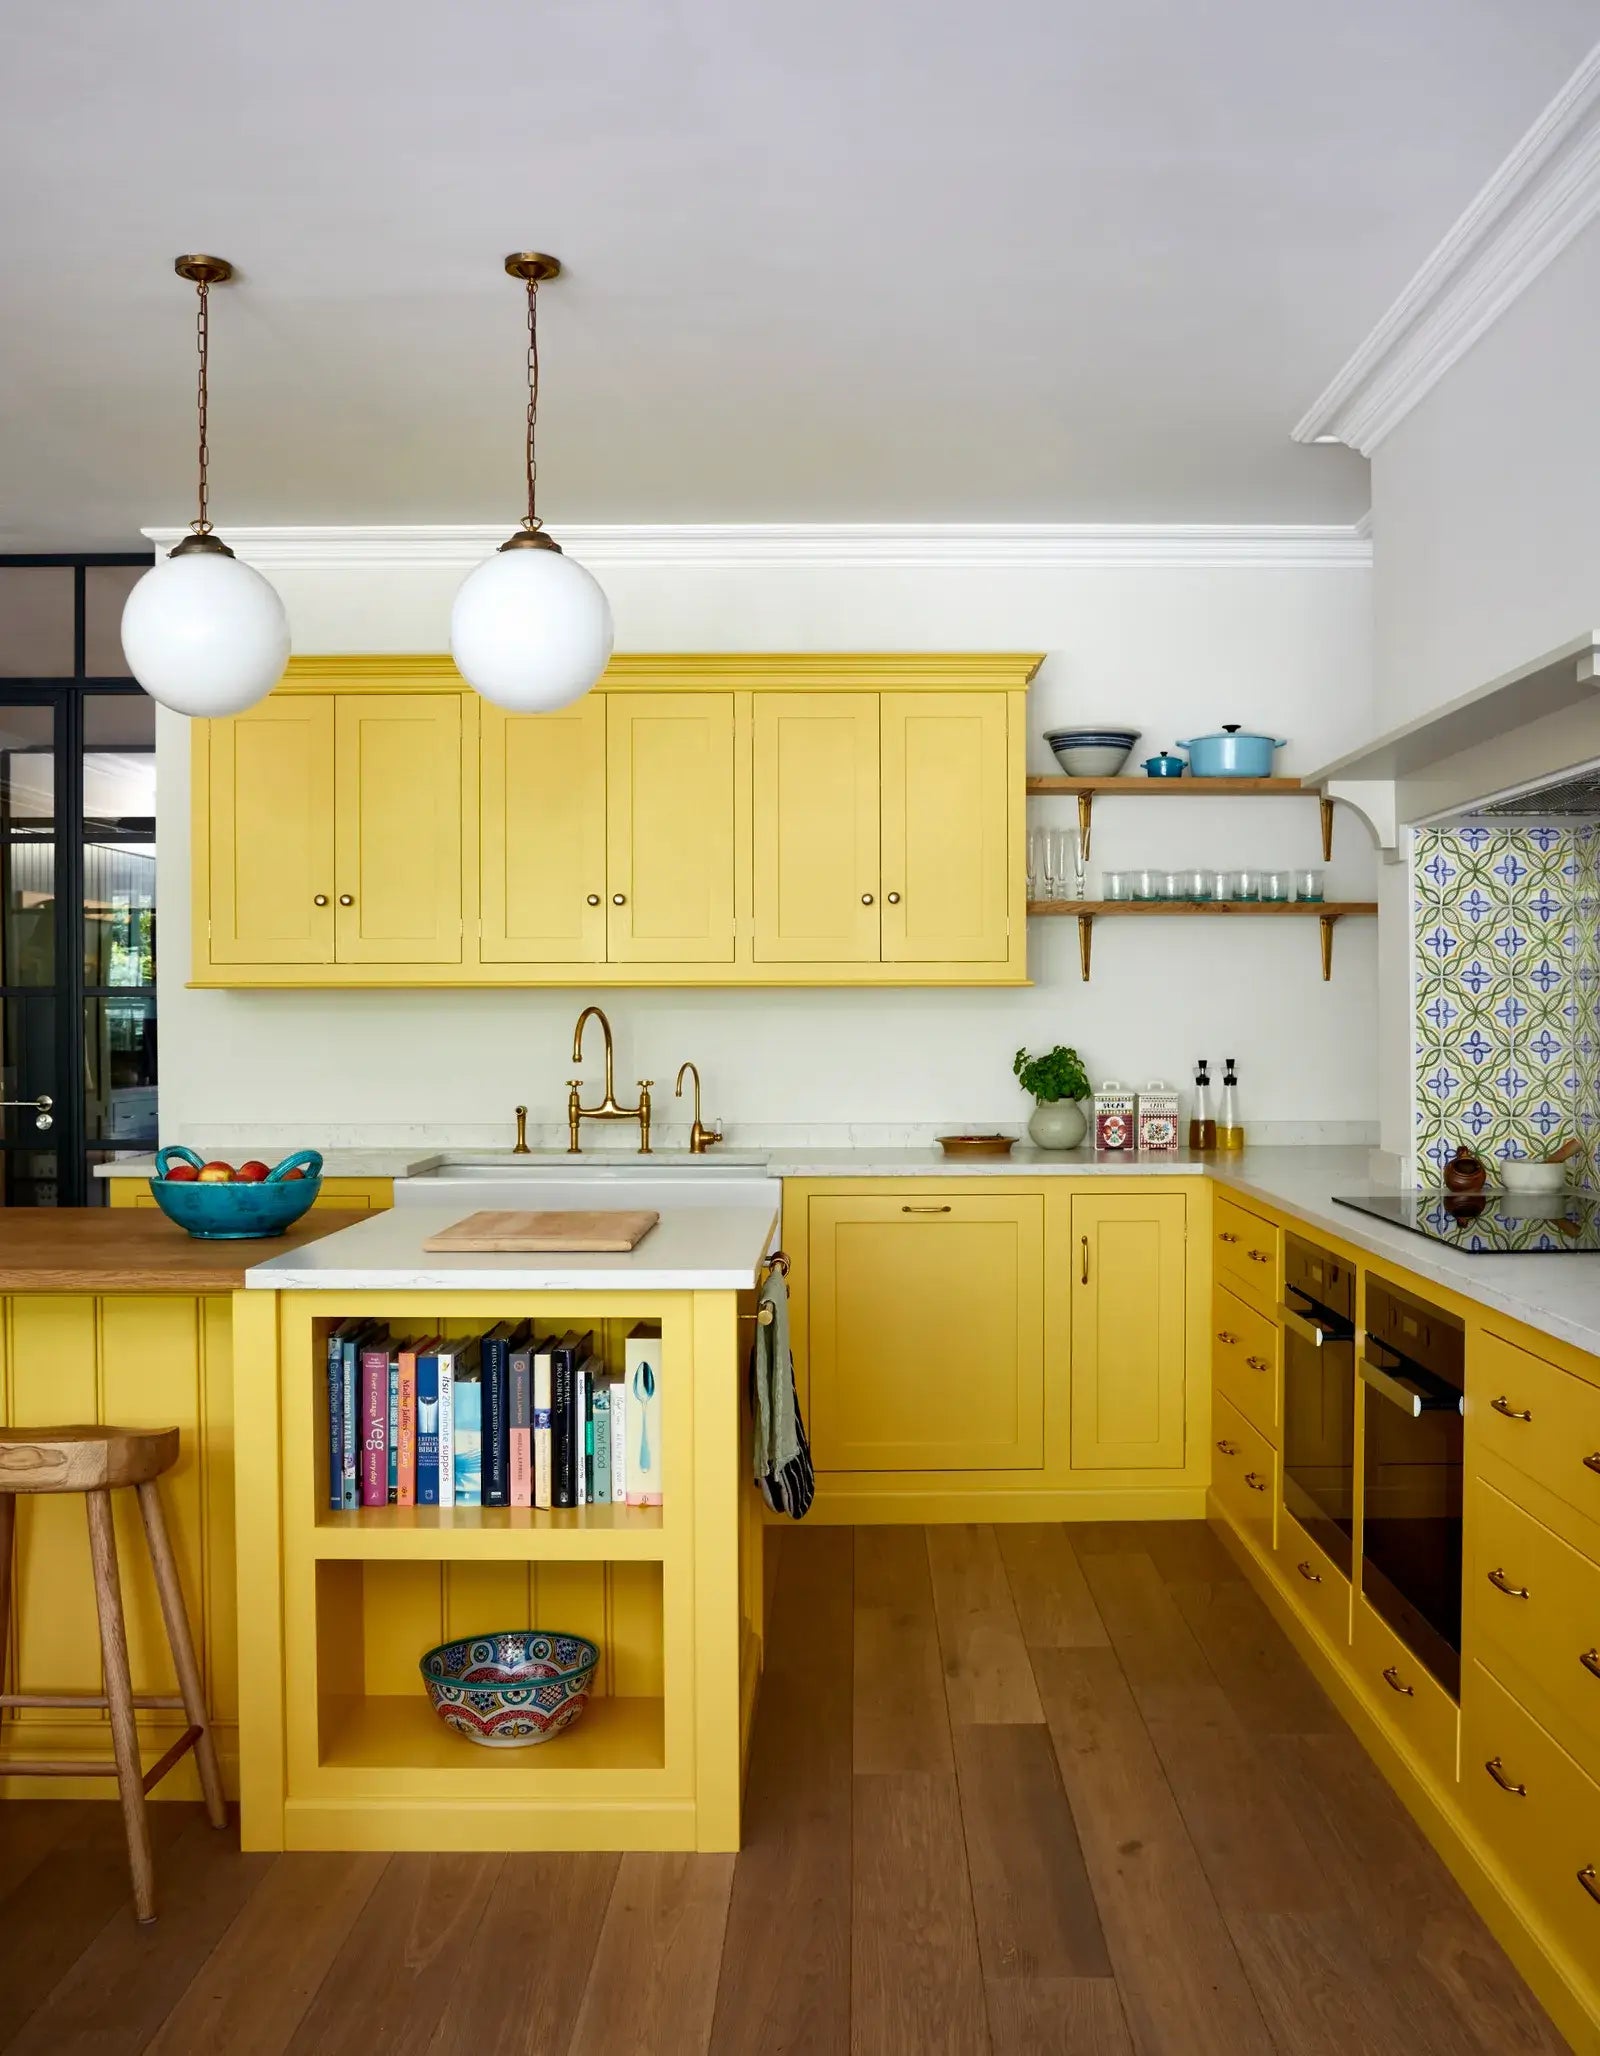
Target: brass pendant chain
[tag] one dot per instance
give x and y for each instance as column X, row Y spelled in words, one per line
column 531, row 520
column 201, row 525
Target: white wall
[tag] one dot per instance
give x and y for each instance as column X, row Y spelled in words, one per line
column 1178, row 649
column 1486, row 512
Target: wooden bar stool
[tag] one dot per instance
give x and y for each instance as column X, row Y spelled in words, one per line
column 97, row 1462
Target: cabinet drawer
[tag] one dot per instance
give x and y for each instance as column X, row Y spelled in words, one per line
column 1244, row 1359
column 1313, row 1581
column 1551, row 1637
column 1405, row 1694
column 1543, row 1420
column 1249, row 1251
column 1538, row 1813
column 1244, row 1476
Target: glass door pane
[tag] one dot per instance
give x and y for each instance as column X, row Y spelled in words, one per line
column 119, row 928
column 28, row 1069
column 27, row 845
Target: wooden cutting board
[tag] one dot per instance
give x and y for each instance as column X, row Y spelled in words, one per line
column 510, row 1229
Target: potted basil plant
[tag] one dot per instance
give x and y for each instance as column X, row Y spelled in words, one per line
column 1058, row 1082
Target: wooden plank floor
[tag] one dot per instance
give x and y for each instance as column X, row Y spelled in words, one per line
column 1018, row 1791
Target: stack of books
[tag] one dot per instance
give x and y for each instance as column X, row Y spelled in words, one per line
column 501, row 1419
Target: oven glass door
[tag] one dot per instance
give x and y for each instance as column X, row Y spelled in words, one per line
column 1319, row 1425
column 1411, row 1508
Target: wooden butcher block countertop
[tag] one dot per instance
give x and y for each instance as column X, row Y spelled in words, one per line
column 134, row 1249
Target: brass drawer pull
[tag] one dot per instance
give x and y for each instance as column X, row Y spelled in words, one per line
column 1311, row 1577
column 1084, row 1274
column 1593, row 1462
column 1231, row 1340
column 1224, row 1236
column 1502, row 1583
column 1496, row 1770
column 1396, row 1683
column 1589, row 1881
column 1258, row 1363
column 1590, row 1659
column 1502, row 1405
column 1229, row 1448
column 1260, row 1256
column 924, row 1210
column 1255, row 1483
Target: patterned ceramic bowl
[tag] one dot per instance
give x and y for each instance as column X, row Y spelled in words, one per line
column 235, row 1212
column 510, row 1691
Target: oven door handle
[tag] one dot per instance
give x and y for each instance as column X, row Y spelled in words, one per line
column 1311, row 1328
column 1410, row 1395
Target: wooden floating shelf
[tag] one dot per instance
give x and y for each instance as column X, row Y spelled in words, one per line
column 1087, row 912
column 1088, row 790
column 588, row 1534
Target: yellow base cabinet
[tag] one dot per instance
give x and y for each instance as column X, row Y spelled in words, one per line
column 955, row 1363
column 696, row 820
column 337, row 1196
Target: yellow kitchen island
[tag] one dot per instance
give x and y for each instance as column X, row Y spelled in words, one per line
column 338, row 1745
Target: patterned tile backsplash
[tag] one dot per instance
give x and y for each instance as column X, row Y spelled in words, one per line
column 1507, row 982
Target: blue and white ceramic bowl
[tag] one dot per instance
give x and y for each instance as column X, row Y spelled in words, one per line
column 511, row 1690
column 1092, row 752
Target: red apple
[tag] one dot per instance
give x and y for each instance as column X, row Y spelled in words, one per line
column 299, row 1171
column 253, row 1172
column 182, row 1174
column 216, row 1173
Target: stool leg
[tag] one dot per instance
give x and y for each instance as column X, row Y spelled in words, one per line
column 182, row 1645
column 8, row 1518
column 119, row 1700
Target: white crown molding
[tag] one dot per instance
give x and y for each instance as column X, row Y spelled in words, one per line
column 1543, row 195
column 825, row 546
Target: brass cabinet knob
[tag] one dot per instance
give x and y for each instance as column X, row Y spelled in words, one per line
column 619, row 899
column 894, row 899
column 594, row 899
column 866, row 899
column 345, row 900
column 319, row 899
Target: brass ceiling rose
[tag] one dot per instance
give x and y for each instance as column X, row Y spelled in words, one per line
column 531, row 539
column 207, row 542
column 529, row 265
column 203, row 271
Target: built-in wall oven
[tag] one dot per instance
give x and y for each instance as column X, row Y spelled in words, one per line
column 1412, row 1367
column 1319, row 1396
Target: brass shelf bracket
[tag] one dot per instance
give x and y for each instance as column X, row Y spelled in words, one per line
column 1325, row 929
column 1085, row 944
column 1085, row 826
column 1325, row 807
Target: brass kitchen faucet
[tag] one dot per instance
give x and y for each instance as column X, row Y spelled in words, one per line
column 608, row 1109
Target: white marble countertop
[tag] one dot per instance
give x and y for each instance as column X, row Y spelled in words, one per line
column 384, row 1162
column 691, row 1249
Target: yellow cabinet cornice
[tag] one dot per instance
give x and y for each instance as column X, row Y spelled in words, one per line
column 668, row 671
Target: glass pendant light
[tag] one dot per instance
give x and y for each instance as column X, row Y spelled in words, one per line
column 201, row 632
column 530, row 629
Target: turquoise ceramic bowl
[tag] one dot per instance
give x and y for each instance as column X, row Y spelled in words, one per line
column 510, row 1691
column 237, row 1213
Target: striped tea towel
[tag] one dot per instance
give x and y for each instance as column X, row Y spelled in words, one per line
column 782, row 1457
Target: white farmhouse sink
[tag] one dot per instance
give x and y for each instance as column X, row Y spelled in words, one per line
column 541, row 1183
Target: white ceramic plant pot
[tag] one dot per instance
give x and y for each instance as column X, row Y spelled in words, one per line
column 1058, row 1124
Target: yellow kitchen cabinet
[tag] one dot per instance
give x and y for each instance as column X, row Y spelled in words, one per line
column 397, row 828
column 948, row 852
column 670, row 827
column 542, row 835
column 1128, row 1342
column 926, row 1332
column 338, row 1195
column 815, row 811
column 269, row 834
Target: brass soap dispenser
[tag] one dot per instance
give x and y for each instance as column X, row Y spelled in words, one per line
column 1230, row 1129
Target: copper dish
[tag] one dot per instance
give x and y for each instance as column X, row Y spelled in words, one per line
column 977, row 1145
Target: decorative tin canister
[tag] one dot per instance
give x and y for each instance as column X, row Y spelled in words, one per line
column 1158, row 1116
column 1114, row 1107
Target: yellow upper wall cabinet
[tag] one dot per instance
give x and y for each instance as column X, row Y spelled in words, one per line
column 269, row 834
column 1127, row 1331
column 397, row 828
column 694, row 820
column 669, row 827
column 926, row 1325
column 542, row 837
column 815, row 818
column 947, row 846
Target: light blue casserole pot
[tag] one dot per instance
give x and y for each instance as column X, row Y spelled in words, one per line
column 1231, row 754
column 237, row 1213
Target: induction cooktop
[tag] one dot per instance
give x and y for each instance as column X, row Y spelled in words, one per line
column 1490, row 1223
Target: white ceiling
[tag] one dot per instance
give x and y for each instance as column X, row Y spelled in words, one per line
column 1032, row 260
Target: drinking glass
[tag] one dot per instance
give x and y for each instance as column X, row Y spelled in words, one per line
column 1057, row 862
column 1080, row 865
column 1174, row 885
column 1219, row 885
column 1036, row 863
column 1118, row 885
column 1308, row 885
column 1244, row 885
column 1277, row 885
column 1146, row 884
column 1196, row 885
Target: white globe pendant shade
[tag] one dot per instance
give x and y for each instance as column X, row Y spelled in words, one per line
column 205, row 634
column 530, row 630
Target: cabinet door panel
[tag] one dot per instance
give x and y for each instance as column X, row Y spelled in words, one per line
column 271, row 833
column 926, row 1323
column 816, row 827
column 946, row 828
column 398, row 765
column 543, row 839
column 669, row 827
column 1127, row 1332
